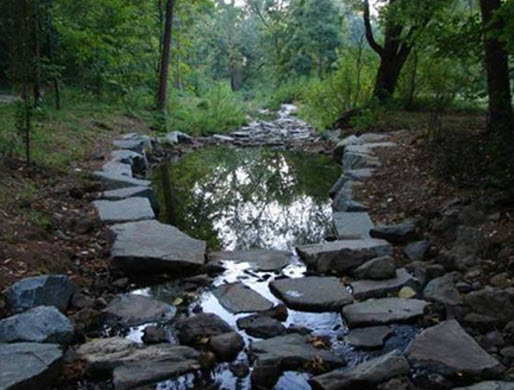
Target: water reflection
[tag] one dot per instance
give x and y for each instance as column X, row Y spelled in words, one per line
column 251, row 198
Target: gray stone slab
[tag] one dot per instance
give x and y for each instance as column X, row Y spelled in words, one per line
column 126, row 210
column 368, row 338
column 376, row 269
column 192, row 330
column 136, row 160
column 383, row 311
column 312, row 293
column 117, row 168
column 367, row 288
column 112, row 181
column 27, row 366
column 239, row 298
column 153, row 247
column 443, row 290
column 360, row 174
column 129, row 192
column 342, row 255
column 134, row 141
column 447, row 349
column 43, row 324
column 133, row 310
column 488, row 385
column 259, row 259
column 356, row 160
column 352, row 225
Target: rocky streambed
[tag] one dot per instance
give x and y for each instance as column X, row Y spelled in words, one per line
column 261, row 271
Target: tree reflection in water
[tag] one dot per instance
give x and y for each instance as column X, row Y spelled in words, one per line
column 248, row 198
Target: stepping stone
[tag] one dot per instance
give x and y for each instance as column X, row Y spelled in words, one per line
column 153, row 247
column 135, row 142
column 239, row 298
column 312, row 293
column 129, row 192
column 136, row 160
column 48, row 290
column 447, row 349
column 43, row 324
column 342, row 255
column 377, row 269
column 117, row 168
column 442, row 290
column 359, row 160
column 291, row 352
column 383, row 311
column 112, row 181
column 126, row 210
column 260, row 326
column 360, row 174
column 366, row 288
column 396, row 234
column 343, row 200
column 192, row 330
column 365, row 375
column 259, row 259
column 368, row 338
column 351, row 225
column 29, row 365
column 132, row 310
column 338, row 186
column 489, row 385
column 226, row 346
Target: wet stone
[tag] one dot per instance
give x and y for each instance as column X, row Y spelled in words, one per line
column 153, row 247
column 343, row 255
column 364, row 289
column 132, row 310
column 259, row 259
column 396, row 234
column 383, row 311
column 352, row 225
column 239, row 298
column 113, row 181
column 312, row 293
column 260, row 326
column 448, row 350
column 29, row 365
column 364, row 375
column 376, row 269
column 226, row 346
column 126, row 210
column 368, row 338
column 204, row 325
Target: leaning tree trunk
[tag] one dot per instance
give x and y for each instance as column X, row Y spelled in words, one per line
column 162, row 91
column 497, row 67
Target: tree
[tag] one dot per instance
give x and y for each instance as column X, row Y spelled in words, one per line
column 497, row 67
column 162, row 90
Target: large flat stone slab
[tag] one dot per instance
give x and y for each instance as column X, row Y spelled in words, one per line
column 383, row 311
column 365, row 375
column 153, row 247
column 367, row 288
column 133, row 141
column 113, row 181
column 312, row 293
column 194, row 329
column 239, row 298
column 117, row 168
column 27, row 366
column 259, row 259
column 128, row 192
column 447, row 349
column 489, row 385
column 291, row 352
column 43, row 324
column 126, row 210
column 133, row 310
column 352, row 225
column 368, row 338
column 342, row 255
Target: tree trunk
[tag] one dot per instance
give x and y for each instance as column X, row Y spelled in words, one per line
column 162, row 92
column 497, row 67
column 37, row 56
column 388, row 73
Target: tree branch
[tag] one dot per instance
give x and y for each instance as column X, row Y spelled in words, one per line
column 369, row 31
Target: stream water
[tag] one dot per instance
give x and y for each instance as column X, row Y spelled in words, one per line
column 251, row 198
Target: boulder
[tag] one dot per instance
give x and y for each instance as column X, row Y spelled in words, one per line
column 358, row 160
column 442, row 290
column 376, row 269
column 466, row 248
column 136, row 160
column 239, row 298
column 365, row 375
column 259, row 259
column 312, row 293
column 43, row 324
column 26, row 366
column 368, row 338
column 132, row 310
column 366, row 288
column 344, row 197
column 337, row 186
column 291, row 352
column 126, row 210
column 448, row 350
column 491, row 302
column 133, row 141
column 226, row 346
column 416, row 251
column 113, row 181
column 351, row 225
column 154, row 335
column 343, row 255
column 174, row 138
column 153, row 247
column 201, row 326
column 488, row 385
column 383, row 311
column 260, row 326
column 50, row 290
column 396, row 234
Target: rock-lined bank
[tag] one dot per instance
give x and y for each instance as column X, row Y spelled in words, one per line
column 239, row 317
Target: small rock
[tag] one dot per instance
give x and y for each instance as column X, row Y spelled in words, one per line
column 82, row 301
column 261, row 326
column 368, row 338
column 416, row 251
column 226, row 346
column 154, row 335
column 396, row 234
column 132, row 310
column 501, row 280
column 442, row 290
column 376, row 269
column 121, row 283
column 363, row 289
column 491, row 302
column 239, row 369
column 200, row 326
